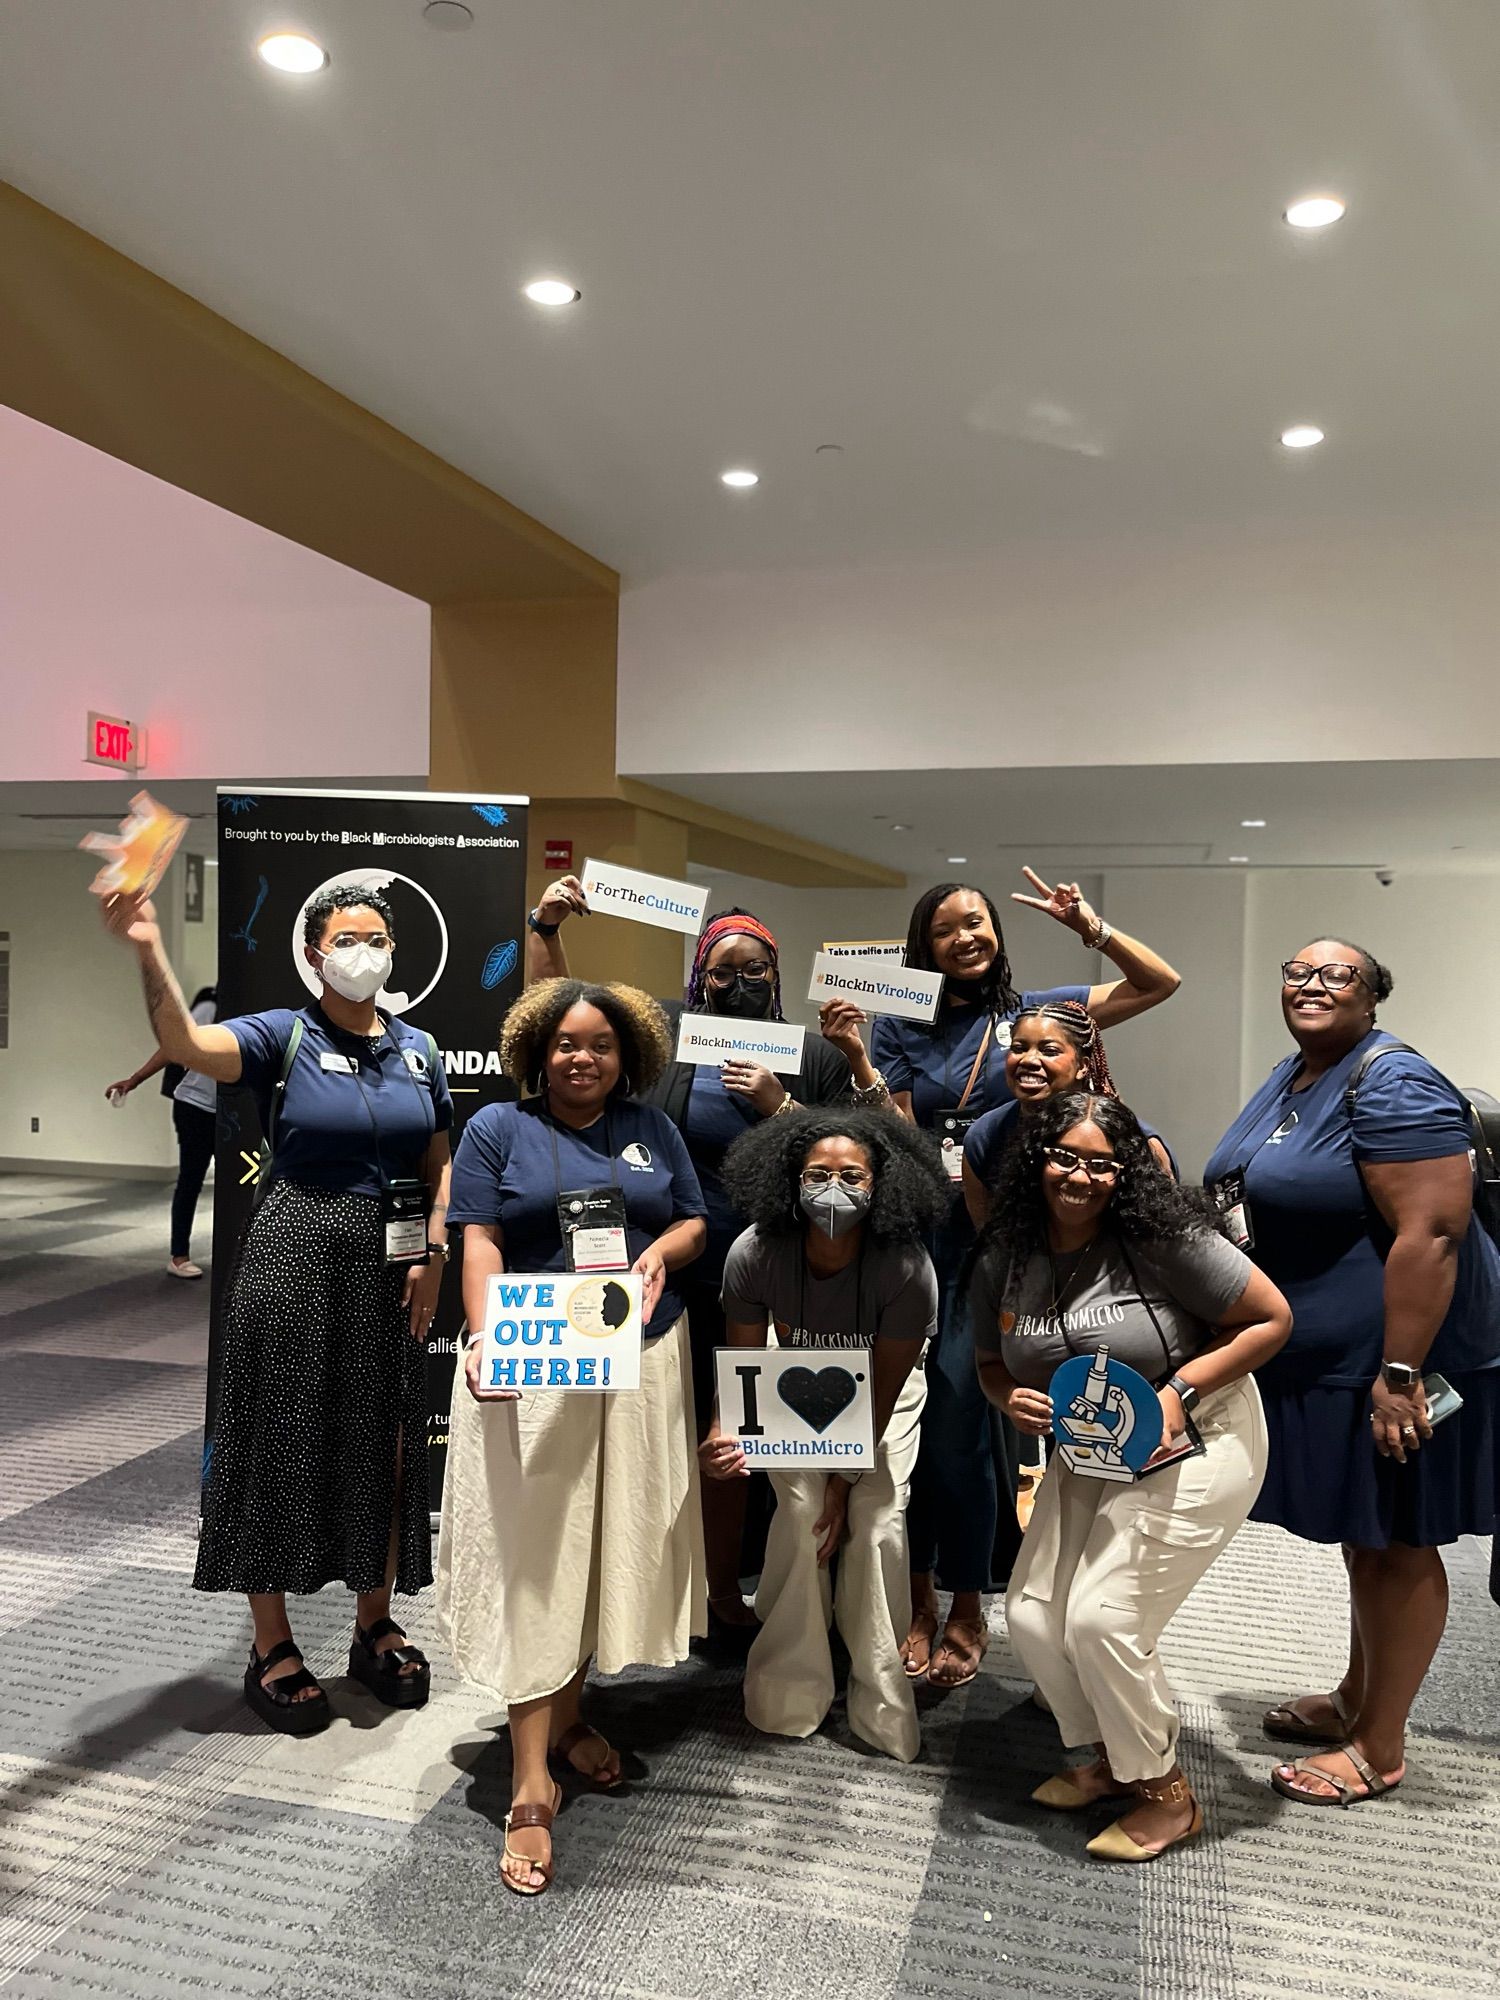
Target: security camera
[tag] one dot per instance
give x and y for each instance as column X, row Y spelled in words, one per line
column 1385, row 877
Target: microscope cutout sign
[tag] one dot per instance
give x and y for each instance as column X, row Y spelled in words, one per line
column 805, row 1408
column 561, row 1330
column 1106, row 1417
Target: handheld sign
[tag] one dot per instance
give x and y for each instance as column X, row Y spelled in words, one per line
column 1106, row 1417
column 643, row 899
column 716, row 1038
column 800, row 1408
column 878, row 989
column 137, row 855
column 561, row 1330
column 870, row 951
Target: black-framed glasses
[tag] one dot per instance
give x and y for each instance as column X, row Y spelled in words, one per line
column 1098, row 1166
column 849, row 1177
column 756, row 973
column 1336, row 976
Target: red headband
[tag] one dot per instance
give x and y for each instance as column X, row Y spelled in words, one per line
column 733, row 926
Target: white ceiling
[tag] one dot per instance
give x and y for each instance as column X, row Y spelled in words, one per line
column 1022, row 261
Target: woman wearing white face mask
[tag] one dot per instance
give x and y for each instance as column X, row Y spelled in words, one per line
column 318, row 1471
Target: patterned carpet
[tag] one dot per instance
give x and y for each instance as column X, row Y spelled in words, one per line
column 155, row 1840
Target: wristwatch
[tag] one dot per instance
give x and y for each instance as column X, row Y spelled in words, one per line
column 534, row 923
column 1396, row 1375
column 442, row 1250
column 1187, row 1395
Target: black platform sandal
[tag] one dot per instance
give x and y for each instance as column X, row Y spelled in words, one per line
column 276, row 1702
column 382, row 1673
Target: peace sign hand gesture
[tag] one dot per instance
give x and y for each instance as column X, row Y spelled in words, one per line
column 1064, row 904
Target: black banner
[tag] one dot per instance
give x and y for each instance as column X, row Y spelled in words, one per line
column 454, row 870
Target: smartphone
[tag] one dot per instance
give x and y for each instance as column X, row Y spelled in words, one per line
column 1442, row 1398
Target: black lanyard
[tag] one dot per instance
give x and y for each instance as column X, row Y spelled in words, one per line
column 429, row 1116
column 609, row 1144
column 1100, row 1243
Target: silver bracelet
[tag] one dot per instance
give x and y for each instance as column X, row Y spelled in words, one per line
column 878, row 1092
column 1101, row 936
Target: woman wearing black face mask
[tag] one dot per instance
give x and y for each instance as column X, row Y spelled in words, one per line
column 736, row 972
column 838, row 1202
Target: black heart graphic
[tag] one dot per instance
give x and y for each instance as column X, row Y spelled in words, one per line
column 819, row 1398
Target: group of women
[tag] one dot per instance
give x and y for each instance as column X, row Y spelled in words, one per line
column 968, row 1200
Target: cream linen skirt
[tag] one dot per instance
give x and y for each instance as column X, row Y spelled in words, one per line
column 571, row 1528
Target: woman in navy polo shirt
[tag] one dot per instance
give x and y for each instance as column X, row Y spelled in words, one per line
column 309, row 1480
column 943, row 1076
column 570, row 1522
column 1348, row 1178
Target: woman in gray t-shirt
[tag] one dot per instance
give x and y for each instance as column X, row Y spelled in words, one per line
column 838, row 1201
column 1091, row 1246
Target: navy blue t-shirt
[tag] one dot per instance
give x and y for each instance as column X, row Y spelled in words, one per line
column 714, row 1119
column 506, row 1173
column 339, row 1084
column 933, row 1062
column 987, row 1137
column 1309, row 1219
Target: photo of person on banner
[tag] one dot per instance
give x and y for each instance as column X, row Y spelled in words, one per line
column 571, row 1529
column 838, row 1201
column 317, row 1468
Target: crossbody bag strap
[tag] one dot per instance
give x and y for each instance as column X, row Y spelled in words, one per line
column 984, row 1049
column 1140, row 1292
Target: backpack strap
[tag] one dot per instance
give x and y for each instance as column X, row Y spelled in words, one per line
column 278, row 1091
column 1362, row 1068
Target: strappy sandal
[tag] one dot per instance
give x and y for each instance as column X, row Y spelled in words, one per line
column 276, row 1701
column 1284, row 1725
column 1344, row 1794
column 981, row 1633
column 909, row 1667
column 515, row 1820
column 382, row 1673
column 560, row 1757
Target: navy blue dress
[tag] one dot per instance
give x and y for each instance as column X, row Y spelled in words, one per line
column 1298, row 1151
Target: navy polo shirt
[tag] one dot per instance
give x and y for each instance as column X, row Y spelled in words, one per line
column 986, row 1140
column 933, row 1061
column 506, row 1174
column 351, row 1107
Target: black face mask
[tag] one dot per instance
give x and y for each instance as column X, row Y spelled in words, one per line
column 746, row 999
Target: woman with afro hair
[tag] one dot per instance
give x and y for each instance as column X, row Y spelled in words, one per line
column 570, row 1523
column 838, row 1203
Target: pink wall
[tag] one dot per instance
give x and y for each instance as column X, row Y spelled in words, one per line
column 243, row 655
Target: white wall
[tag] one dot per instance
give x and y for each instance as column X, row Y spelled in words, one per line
column 77, row 1018
column 1250, row 649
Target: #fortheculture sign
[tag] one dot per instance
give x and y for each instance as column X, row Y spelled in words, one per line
column 878, row 989
column 802, row 1408
column 561, row 1330
column 644, row 899
column 717, row 1038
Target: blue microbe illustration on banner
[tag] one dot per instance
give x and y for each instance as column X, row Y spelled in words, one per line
column 240, row 803
column 1106, row 1417
column 492, row 815
column 500, row 964
column 244, row 935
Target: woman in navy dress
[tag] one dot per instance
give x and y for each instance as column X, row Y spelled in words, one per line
column 942, row 1076
column 1349, row 1180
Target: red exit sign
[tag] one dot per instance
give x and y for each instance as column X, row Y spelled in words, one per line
column 560, row 854
column 111, row 740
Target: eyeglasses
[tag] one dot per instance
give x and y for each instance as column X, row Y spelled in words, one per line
column 1336, row 977
column 849, row 1177
column 377, row 942
column 756, row 973
column 1098, row 1166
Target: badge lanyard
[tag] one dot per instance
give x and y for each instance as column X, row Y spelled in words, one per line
column 592, row 1220
column 403, row 1203
column 951, row 1125
column 1229, row 1190
column 1099, row 1243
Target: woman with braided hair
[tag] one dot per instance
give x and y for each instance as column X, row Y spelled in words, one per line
column 736, row 971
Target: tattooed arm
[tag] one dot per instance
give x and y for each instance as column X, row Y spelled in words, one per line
column 211, row 1050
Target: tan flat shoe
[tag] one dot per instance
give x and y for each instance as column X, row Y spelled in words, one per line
column 1114, row 1844
column 1064, row 1793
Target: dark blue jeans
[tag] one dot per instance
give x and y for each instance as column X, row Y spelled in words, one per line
column 195, row 1151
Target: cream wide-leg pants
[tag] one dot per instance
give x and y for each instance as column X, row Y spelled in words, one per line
column 1104, row 1567
column 789, row 1673
column 571, row 1527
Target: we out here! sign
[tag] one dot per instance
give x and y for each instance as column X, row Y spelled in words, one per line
column 561, row 1330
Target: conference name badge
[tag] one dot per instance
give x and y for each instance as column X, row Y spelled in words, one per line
column 643, row 899
column 561, row 1330
column 877, row 989
column 1105, row 1416
column 805, row 1409
column 718, row 1038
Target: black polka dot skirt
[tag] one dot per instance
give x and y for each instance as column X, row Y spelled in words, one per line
column 320, row 1386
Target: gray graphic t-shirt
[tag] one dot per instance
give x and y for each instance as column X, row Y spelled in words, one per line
column 887, row 1292
column 1069, row 1305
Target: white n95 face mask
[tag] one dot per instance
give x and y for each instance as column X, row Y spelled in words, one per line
column 358, row 971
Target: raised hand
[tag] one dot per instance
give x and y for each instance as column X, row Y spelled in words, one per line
column 562, row 899
column 131, row 918
column 1064, row 903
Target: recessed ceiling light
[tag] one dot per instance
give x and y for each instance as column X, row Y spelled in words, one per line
column 958, row 860
column 298, row 55
column 1301, row 437
column 1239, row 857
column 1252, row 822
column 1314, row 211
column 739, row 477
column 898, row 826
column 552, row 292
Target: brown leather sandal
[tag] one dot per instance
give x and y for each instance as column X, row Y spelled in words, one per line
column 601, row 1778
column 1340, row 1792
column 524, row 1816
column 914, row 1638
column 970, row 1668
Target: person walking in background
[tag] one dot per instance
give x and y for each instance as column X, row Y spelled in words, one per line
column 194, row 1119
column 944, row 1076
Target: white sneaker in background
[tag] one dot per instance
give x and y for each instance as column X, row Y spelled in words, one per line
column 185, row 1269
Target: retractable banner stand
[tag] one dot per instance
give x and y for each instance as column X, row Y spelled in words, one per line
column 453, row 868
